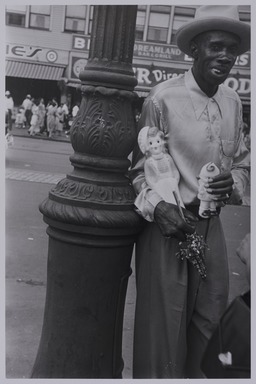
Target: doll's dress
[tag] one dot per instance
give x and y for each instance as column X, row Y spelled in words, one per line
column 163, row 177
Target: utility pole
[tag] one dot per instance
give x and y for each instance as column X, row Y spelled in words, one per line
column 92, row 225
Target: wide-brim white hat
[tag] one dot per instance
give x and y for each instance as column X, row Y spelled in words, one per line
column 214, row 18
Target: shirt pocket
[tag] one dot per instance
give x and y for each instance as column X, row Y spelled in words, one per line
column 228, row 147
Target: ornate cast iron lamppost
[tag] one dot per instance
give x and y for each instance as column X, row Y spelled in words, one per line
column 92, row 225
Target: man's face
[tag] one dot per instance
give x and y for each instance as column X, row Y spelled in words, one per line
column 214, row 53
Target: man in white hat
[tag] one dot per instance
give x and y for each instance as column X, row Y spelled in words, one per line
column 177, row 311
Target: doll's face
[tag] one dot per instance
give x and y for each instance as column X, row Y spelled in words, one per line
column 155, row 144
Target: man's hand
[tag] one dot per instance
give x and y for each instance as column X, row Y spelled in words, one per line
column 220, row 186
column 170, row 222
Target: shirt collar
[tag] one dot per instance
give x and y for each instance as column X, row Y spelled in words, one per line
column 198, row 98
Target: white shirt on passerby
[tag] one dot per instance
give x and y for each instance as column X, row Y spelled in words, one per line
column 75, row 110
column 9, row 104
column 27, row 104
column 65, row 109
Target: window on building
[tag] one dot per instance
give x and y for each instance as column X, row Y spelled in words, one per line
column 245, row 13
column 15, row 15
column 75, row 18
column 140, row 22
column 90, row 20
column 39, row 16
column 159, row 21
column 181, row 16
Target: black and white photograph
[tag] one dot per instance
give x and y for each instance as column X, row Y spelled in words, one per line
column 127, row 179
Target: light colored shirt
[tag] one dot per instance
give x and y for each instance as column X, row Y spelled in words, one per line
column 75, row 110
column 9, row 103
column 198, row 129
column 65, row 109
column 27, row 104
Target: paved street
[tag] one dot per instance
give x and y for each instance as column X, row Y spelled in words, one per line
column 32, row 167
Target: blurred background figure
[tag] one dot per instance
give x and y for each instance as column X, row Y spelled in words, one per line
column 20, row 118
column 9, row 104
column 73, row 114
column 41, row 115
column 51, row 117
column 27, row 105
column 59, row 119
column 66, row 113
column 34, row 127
column 75, row 109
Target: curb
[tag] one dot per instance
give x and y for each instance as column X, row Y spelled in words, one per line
column 40, row 137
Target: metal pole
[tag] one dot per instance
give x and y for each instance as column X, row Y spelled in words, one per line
column 91, row 220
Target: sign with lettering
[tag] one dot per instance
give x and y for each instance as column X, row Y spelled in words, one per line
column 149, row 76
column 38, row 54
column 81, row 43
column 161, row 52
column 164, row 52
column 158, row 51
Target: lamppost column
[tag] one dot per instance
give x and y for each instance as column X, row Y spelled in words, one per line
column 92, row 224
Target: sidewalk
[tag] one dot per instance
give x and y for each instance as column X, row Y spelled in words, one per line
column 22, row 132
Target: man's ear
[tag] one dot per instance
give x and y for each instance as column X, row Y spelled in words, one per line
column 194, row 49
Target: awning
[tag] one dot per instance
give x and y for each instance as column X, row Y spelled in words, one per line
column 33, row 70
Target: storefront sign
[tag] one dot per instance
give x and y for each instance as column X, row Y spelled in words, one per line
column 157, row 51
column 173, row 53
column 34, row 53
column 149, row 76
column 81, row 42
column 76, row 65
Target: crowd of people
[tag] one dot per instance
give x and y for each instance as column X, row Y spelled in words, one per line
column 52, row 119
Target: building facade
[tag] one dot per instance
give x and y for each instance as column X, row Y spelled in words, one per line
column 48, row 45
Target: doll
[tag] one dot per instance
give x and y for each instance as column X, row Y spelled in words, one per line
column 161, row 172
column 207, row 206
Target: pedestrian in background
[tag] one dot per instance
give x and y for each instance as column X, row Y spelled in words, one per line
column 41, row 115
column 177, row 311
column 75, row 109
column 51, row 117
column 66, row 113
column 59, row 119
column 34, row 127
column 9, row 105
column 27, row 105
column 20, row 118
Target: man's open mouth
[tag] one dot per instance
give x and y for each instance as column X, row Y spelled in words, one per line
column 220, row 71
